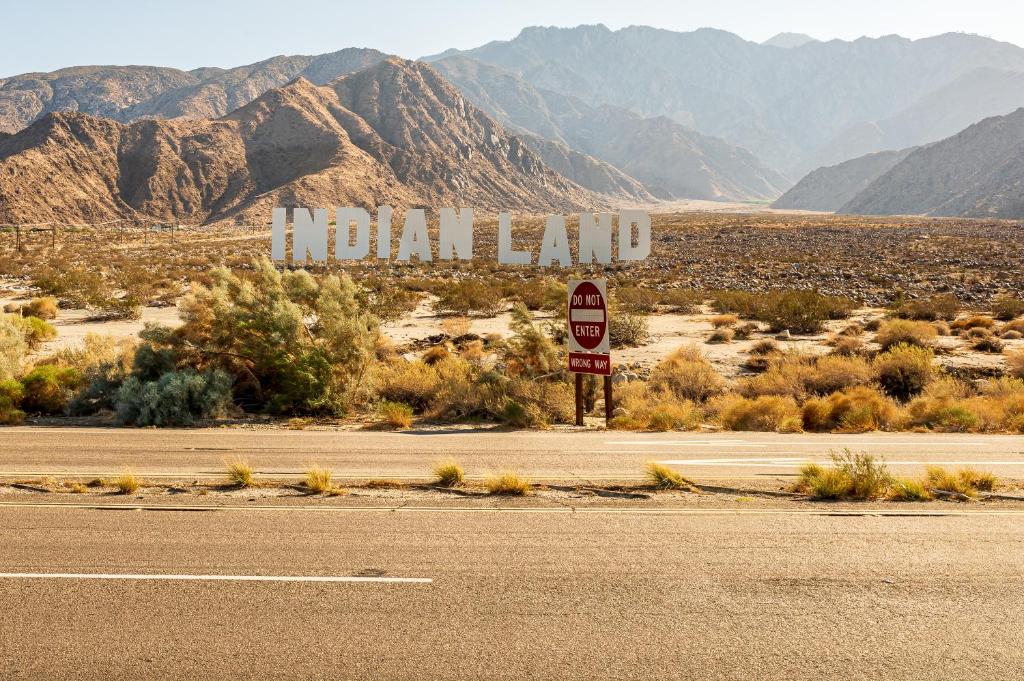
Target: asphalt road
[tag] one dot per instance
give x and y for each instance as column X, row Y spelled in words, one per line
column 539, row 595
column 542, row 455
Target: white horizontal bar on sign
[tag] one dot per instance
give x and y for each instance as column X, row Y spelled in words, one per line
column 595, row 316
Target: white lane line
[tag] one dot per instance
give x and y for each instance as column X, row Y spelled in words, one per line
column 684, row 443
column 794, row 443
column 215, row 578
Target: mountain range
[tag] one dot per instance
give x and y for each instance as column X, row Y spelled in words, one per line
column 552, row 118
column 395, row 133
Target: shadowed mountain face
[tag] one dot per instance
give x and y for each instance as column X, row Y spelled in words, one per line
column 672, row 161
column 127, row 93
column 831, row 188
column 784, row 105
column 348, row 143
column 976, row 173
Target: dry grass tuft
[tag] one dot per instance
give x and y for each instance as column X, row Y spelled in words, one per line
column 663, row 477
column 724, row 320
column 903, row 331
column 508, row 483
column 395, row 414
column 857, row 476
column 448, row 473
column 904, row 489
column 127, row 483
column 319, row 480
column 240, row 473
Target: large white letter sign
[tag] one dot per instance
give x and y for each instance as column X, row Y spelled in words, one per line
column 278, row 234
column 414, row 236
column 507, row 256
column 343, row 248
column 595, row 238
column 555, row 245
column 456, row 234
column 310, row 235
column 642, row 248
column 384, row 232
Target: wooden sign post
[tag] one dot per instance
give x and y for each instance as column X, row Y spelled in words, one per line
column 589, row 344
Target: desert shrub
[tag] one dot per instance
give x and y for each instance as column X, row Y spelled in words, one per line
column 943, row 306
column 385, row 301
column 637, row 300
column 855, row 410
column 832, row 373
column 319, row 480
column 784, row 374
column 988, row 343
column 764, row 347
column 688, row 375
column 1011, row 335
column 724, row 320
column 974, row 322
column 1015, row 363
column 464, row 297
column 290, row 342
column 859, row 476
column 540, row 293
column 11, row 394
column 657, row 410
column 943, row 406
column 742, row 303
column 904, row 489
column 412, row 383
column 44, row 308
column 1006, row 307
column 508, row 483
column 626, row 329
column 49, row 388
column 34, row 330
column 13, row 347
column 529, row 351
column 1015, row 325
column 802, row 311
column 395, row 414
column 765, row 413
column 903, row 371
column 722, row 335
column 448, row 473
column 662, row 477
column 176, row 398
column 681, row 301
column 967, row 482
column 104, row 362
column 77, row 286
column 435, row 354
column 239, row 473
column 902, row 331
column 847, row 346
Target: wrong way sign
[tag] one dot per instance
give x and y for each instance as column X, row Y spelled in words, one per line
column 589, row 345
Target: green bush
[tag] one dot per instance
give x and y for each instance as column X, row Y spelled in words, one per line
column 34, row 330
column 626, row 329
column 48, row 388
column 177, row 398
column 904, row 370
column 799, row 311
column 637, row 300
column 466, row 296
column 11, row 394
column 1007, row 307
column 944, row 306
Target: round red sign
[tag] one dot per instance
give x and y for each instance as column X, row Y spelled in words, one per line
column 588, row 318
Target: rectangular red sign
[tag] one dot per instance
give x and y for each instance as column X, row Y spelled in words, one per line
column 588, row 363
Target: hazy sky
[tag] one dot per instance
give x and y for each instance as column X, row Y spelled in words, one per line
column 42, row 35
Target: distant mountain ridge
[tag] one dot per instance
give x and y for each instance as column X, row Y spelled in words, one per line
column 394, row 133
column 784, row 105
column 829, row 189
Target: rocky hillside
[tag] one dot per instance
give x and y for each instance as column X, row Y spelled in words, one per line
column 395, row 132
column 831, row 188
column 672, row 161
column 127, row 93
column 976, row 173
column 784, row 105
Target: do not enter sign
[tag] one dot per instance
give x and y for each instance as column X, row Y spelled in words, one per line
column 589, row 347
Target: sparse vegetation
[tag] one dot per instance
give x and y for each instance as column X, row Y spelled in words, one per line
column 904, row 332
column 318, row 480
column 852, row 475
column 509, row 484
column 448, row 473
column 663, row 477
column 127, row 483
column 240, row 473
column 395, row 414
column 904, row 370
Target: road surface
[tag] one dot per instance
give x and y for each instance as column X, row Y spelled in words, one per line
column 594, row 455
column 506, row 595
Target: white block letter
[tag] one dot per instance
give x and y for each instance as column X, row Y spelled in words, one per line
column 595, row 238
column 278, row 234
column 310, row 235
column 555, row 245
column 507, row 256
column 343, row 248
column 414, row 236
column 384, row 232
column 642, row 248
column 456, row 234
